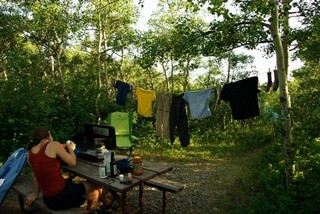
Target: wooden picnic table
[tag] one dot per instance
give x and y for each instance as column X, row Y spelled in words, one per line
column 89, row 170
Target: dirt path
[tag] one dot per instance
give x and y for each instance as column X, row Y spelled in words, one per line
column 10, row 205
column 209, row 186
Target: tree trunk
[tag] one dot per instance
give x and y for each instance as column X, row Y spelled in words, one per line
column 105, row 64
column 58, row 51
column 286, row 29
column 172, row 77
column 285, row 102
column 229, row 68
column 165, row 78
column 99, row 83
column 186, row 74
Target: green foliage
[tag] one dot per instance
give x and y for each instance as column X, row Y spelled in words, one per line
column 307, row 177
column 271, row 194
column 55, row 72
column 308, row 36
column 306, row 101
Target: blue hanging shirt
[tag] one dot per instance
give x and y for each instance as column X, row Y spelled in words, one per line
column 199, row 103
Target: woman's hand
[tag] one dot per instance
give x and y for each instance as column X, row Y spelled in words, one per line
column 29, row 199
column 71, row 145
column 69, row 157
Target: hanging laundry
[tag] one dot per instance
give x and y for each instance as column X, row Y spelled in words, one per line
column 178, row 120
column 269, row 83
column 269, row 113
column 123, row 90
column 199, row 103
column 276, row 80
column 162, row 115
column 145, row 99
column 243, row 98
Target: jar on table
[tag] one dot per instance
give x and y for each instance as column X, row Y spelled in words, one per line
column 137, row 165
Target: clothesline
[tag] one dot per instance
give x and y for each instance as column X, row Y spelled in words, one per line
column 171, row 114
column 259, row 74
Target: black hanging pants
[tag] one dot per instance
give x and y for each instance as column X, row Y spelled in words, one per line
column 178, row 120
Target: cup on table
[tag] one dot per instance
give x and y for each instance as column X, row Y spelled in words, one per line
column 102, row 171
column 121, row 177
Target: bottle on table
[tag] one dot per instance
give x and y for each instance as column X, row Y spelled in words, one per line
column 106, row 161
column 102, row 171
column 137, row 165
column 113, row 166
column 129, row 177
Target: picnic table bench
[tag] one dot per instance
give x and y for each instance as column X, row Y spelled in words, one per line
column 23, row 186
column 165, row 185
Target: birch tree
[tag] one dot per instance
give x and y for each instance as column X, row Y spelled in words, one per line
column 108, row 25
column 50, row 27
column 237, row 23
column 175, row 51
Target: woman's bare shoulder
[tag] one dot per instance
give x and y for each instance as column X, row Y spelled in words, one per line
column 53, row 148
column 57, row 143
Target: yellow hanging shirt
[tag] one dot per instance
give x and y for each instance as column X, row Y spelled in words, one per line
column 145, row 99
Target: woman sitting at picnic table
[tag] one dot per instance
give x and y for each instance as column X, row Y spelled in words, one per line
column 45, row 157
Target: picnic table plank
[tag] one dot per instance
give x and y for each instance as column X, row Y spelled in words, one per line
column 92, row 174
column 165, row 184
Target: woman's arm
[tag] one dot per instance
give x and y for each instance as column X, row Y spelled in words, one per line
column 34, row 195
column 68, row 158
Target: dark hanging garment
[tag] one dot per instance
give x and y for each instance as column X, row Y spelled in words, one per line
column 276, row 80
column 123, row 90
column 269, row 84
column 163, row 114
column 178, row 120
column 243, row 98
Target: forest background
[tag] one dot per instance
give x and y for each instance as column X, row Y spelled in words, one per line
column 58, row 60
